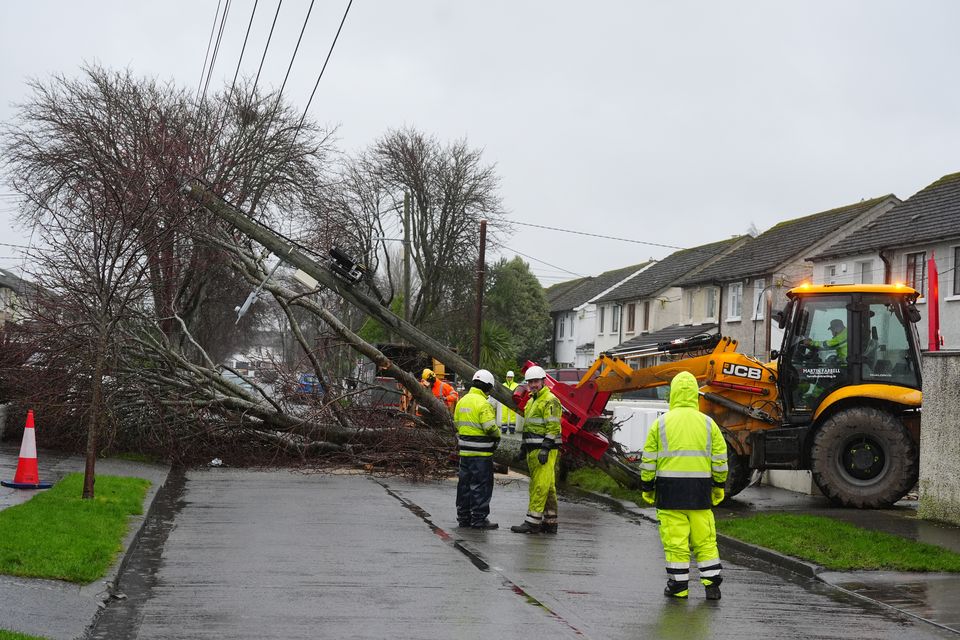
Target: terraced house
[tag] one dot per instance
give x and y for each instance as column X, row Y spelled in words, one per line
column 896, row 246
column 654, row 309
column 576, row 319
column 754, row 279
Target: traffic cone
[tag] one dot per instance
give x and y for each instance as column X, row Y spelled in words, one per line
column 28, row 474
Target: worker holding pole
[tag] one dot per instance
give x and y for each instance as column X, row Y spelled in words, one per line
column 541, row 444
column 683, row 470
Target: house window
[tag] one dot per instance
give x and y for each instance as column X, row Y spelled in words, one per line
column 688, row 305
column 632, row 316
column 602, row 319
column 646, row 315
column 865, row 272
column 735, row 298
column 711, row 302
column 830, row 274
column 758, row 298
column 917, row 271
column 956, row 268
column 615, row 318
column 560, row 327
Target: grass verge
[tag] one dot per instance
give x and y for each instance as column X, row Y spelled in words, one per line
column 838, row 545
column 58, row 535
column 591, row 479
column 830, row 543
column 14, row 635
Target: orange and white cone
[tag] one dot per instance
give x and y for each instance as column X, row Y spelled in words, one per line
column 28, row 473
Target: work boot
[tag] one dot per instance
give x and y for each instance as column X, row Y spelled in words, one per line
column 486, row 524
column 526, row 527
column 463, row 524
column 713, row 592
column 549, row 528
column 676, row 589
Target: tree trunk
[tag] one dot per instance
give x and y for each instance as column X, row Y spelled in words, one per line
column 96, row 401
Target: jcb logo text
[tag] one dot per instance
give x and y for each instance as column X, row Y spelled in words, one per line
column 742, row 371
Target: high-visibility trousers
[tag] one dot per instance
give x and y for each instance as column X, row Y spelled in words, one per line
column 683, row 529
column 542, row 508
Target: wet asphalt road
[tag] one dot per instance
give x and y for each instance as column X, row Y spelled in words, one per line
column 245, row 554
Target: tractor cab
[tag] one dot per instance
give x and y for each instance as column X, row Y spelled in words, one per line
column 838, row 336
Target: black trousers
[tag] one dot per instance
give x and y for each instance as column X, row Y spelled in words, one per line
column 474, row 489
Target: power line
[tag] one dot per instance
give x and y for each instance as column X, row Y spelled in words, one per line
column 542, row 262
column 266, row 47
column 295, row 50
column 206, row 55
column 276, row 104
column 216, row 47
column 324, row 68
column 597, row 235
column 243, row 48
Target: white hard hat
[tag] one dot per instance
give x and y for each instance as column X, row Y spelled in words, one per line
column 483, row 375
column 534, row 373
column 509, row 374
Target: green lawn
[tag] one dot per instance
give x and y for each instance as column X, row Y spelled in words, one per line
column 595, row 480
column 838, row 545
column 13, row 635
column 58, row 535
column 830, row 543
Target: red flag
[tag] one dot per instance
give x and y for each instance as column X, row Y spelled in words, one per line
column 933, row 305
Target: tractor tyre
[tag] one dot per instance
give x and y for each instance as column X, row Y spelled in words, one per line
column 864, row 457
column 738, row 473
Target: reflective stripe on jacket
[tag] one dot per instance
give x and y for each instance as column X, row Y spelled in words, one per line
column 685, row 454
column 476, row 422
column 541, row 421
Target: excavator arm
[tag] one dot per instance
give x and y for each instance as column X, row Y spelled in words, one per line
column 733, row 388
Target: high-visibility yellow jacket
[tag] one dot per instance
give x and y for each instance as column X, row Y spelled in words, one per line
column 685, row 454
column 509, row 416
column 476, row 422
column 838, row 342
column 541, row 421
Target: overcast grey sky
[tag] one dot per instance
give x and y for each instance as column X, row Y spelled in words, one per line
column 675, row 123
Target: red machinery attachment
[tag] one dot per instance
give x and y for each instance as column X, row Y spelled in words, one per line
column 580, row 405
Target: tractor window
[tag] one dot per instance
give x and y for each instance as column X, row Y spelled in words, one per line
column 886, row 347
column 817, row 355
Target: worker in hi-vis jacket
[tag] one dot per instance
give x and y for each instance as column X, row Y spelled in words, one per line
column 683, row 471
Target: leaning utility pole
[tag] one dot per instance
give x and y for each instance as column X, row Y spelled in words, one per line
column 347, row 289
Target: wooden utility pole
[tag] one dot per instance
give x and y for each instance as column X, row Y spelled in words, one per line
column 406, row 256
column 481, row 272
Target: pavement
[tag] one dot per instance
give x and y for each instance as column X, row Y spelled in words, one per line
column 218, row 555
column 930, row 597
column 53, row 608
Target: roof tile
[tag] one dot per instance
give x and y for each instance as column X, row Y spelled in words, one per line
column 776, row 245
